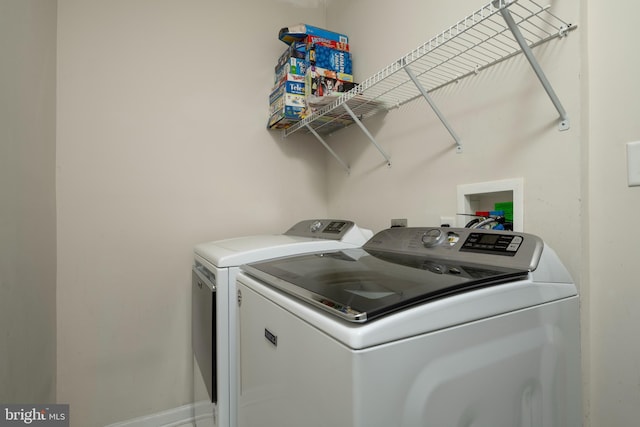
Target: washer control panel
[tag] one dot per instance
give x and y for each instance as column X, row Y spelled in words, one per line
column 489, row 247
column 499, row 244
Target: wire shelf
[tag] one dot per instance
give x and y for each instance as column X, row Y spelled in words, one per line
column 474, row 43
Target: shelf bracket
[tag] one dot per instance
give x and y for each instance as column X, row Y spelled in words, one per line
column 434, row 107
column 367, row 133
column 329, row 149
column 564, row 119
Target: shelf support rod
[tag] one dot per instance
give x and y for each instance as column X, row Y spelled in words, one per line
column 329, row 149
column 367, row 133
column 528, row 53
column 434, row 107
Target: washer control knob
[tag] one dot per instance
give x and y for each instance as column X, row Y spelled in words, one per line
column 316, row 226
column 432, row 237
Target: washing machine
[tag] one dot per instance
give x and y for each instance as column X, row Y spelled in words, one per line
column 214, row 301
column 419, row 327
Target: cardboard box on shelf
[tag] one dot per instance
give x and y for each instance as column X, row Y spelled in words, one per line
column 287, row 104
column 290, row 71
column 288, row 100
column 321, row 41
column 294, row 66
column 290, row 87
column 295, row 50
column 330, row 59
column 299, row 32
column 285, row 117
column 320, row 85
column 314, row 71
column 321, row 82
column 288, row 77
column 279, row 122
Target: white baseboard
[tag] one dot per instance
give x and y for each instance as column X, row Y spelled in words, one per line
column 182, row 416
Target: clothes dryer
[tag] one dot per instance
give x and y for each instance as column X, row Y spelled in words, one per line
column 214, row 273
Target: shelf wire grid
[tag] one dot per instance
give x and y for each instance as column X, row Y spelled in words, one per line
column 474, row 43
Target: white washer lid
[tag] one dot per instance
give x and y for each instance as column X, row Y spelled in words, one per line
column 241, row 250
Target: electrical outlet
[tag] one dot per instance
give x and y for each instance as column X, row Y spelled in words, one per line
column 633, row 163
column 399, row 222
column 448, row 220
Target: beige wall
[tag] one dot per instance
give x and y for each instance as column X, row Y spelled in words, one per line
column 162, row 107
column 27, row 201
column 614, row 106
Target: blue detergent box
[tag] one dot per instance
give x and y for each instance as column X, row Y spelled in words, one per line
column 329, row 58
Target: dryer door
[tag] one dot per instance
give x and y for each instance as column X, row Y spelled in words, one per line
column 203, row 325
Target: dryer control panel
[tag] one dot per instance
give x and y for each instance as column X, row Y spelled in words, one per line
column 330, row 229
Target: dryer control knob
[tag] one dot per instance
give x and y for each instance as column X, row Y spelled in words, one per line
column 316, row 226
column 432, row 237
